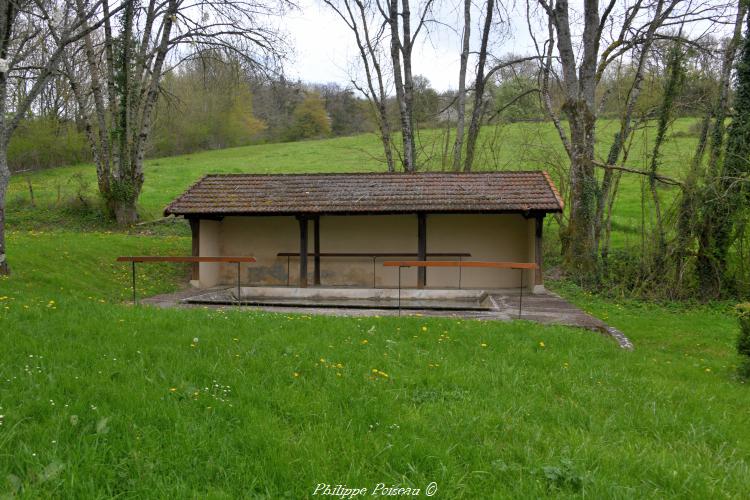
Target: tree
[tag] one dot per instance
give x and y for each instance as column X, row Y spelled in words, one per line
column 582, row 62
column 359, row 18
column 25, row 26
column 209, row 105
column 461, row 96
column 126, row 68
column 310, row 119
column 726, row 194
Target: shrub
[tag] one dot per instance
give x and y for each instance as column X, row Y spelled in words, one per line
column 743, row 342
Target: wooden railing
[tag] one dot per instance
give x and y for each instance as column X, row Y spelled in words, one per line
column 189, row 259
column 522, row 266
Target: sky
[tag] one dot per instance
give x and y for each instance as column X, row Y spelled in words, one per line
column 324, row 49
column 327, row 54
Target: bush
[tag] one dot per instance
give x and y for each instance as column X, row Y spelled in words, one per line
column 45, row 143
column 743, row 341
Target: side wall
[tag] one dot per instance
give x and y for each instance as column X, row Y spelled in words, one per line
column 486, row 237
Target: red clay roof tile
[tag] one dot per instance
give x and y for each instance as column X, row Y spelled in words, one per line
column 368, row 193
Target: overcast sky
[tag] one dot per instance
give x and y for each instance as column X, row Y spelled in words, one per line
column 324, row 49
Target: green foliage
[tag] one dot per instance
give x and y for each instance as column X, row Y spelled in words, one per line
column 514, row 100
column 737, row 157
column 743, row 341
column 208, row 106
column 563, row 476
column 310, row 119
column 46, row 142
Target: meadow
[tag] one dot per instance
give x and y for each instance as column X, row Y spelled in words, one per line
column 99, row 398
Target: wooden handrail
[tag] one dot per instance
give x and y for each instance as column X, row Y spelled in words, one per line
column 370, row 254
column 153, row 258
column 466, row 263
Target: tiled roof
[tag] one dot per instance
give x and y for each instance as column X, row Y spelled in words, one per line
column 369, row 193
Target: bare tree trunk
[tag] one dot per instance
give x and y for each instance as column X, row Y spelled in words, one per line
column 358, row 24
column 401, row 52
column 4, row 181
column 461, row 97
column 478, row 110
column 621, row 137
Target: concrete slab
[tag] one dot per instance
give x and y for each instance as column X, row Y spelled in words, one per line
column 544, row 307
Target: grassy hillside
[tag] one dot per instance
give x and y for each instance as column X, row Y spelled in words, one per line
column 516, row 146
column 99, row 398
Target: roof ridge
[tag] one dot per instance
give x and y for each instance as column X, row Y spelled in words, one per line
column 395, row 174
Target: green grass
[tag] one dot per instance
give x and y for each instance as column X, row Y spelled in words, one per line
column 515, row 146
column 103, row 399
column 99, row 398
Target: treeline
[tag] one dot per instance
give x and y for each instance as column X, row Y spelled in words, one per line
column 214, row 101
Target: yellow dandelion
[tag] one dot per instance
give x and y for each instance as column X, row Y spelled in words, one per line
column 424, row 328
column 364, row 341
column 541, row 344
column 296, row 374
column 483, row 345
column 173, row 389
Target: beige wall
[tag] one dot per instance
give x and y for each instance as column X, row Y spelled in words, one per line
column 209, row 246
column 486, row 237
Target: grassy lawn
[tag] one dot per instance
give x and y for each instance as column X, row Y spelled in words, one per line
column 102, row 399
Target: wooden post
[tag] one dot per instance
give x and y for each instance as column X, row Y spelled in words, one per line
column 195, row 230
column 316, row 249
column 421, row 249
column 302, row 251
column 538, row 251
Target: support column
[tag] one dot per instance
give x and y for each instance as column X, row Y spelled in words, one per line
column 538, row 250
column 195, row 231
column 302, row 251
column 316, row 249
column 421, row 249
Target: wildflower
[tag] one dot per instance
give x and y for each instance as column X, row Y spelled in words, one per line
column 173, row 389
column 424, row 328
column 296, row 374
column 483, row 344
column 364, row 342
column 195, row 340
column 708, row 370
column 541, row 344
